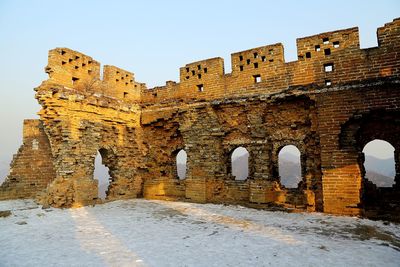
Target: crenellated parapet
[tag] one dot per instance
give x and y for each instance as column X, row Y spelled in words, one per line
column 324, row 60
column 77, row 71
column 71, row 69
column 121, row 84
column 324, row 44
column 388, row 35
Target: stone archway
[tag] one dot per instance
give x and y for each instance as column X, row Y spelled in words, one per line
column 181, row 164
column 109, row 161
column 379, row 163
column 356, row 133
column 239, row 163
column 101, row 174
column 289, row 166
column 278, row 146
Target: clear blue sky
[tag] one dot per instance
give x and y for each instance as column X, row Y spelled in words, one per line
column 154, row 38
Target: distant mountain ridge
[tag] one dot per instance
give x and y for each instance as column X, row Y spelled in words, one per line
column 380, row 166
column 380, row 171
column 378, row 179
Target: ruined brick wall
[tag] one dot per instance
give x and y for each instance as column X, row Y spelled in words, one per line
column 80, row 72
column 333, row 73
column 209, row 132
column 326, row 104
column 32, row 167
column 79, row 124
column 347, row 122
column 82, row 115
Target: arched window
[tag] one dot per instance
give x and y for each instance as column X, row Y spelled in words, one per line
column 289, row 165
column 181, row 164
column 101, row 173
column 379, row 163
column 240, row 163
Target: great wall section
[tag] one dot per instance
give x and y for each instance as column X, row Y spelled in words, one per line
column 329, row 103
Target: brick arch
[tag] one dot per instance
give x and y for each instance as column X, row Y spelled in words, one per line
column 109, row 159
column 277, row 147
column 228, row 149
column 358, row 131
column 176, row 151
column 302, row 167
column 363, row 128
column 298, row 144
column 229, row 160
column 175, row 157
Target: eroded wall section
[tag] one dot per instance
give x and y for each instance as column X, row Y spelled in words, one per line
column 31, row 169
column 82, row 115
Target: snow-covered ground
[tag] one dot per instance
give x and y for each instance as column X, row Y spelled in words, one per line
column 159, row 233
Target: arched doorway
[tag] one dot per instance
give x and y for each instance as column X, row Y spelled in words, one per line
column 379, row 163
column 240, row 163
column 375, row 134
column 181, row 164
column 289, row 166
column 101, row 173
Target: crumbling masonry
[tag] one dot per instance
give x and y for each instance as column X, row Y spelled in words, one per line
column 329, row 103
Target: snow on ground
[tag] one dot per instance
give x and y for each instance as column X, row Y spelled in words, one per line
column 159, row 233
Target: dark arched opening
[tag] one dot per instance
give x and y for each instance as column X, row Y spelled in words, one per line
column 375, row 134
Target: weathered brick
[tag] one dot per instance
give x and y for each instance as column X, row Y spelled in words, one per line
column 329, row 103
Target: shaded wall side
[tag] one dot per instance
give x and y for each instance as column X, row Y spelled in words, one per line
column 32, row 167
column 342, row 175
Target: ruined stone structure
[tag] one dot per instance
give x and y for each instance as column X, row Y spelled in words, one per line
column 329, row 103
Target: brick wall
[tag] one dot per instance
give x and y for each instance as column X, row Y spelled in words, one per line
column 32, row 167
column 341, row 168
column 265, row 103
